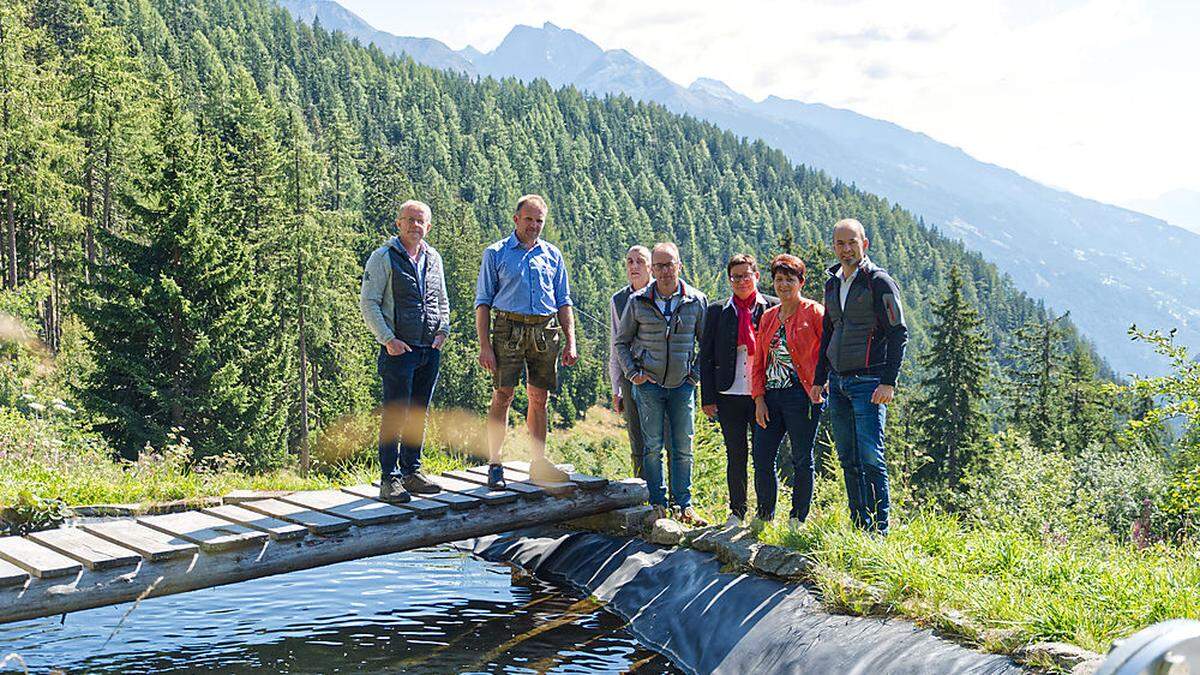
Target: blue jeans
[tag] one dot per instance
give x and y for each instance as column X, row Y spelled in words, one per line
column 858, row 432
column 408, row 382
column 667, row 412
column 789, row 411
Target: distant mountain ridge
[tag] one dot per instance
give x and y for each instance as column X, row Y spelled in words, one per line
column 1178, row 207
column 1110, row 267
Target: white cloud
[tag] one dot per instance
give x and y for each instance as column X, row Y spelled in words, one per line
column 1095, row 96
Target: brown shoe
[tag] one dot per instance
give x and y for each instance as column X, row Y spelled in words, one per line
column 418, row 484
column 542, row 471
column 690, row 517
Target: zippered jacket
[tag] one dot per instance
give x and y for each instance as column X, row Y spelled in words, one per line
column 869, row 335
column 392, row 301
column 719, row 346
column 803, row 329
column 646, row 344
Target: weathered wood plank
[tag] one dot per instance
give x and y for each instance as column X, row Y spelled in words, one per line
column 488, row 495
column 424, row 508
column 36, row 559
column 276, row 529
column 96, row 553
column 361, row 511
column 149, row 543
column 514, row 481
column 455, row 500
column 209, row 532
column 554, row 489
column 582, row 480
column 11, row 575
column 315, row 521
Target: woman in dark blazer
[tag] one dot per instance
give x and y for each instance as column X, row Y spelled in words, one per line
column 726, row 349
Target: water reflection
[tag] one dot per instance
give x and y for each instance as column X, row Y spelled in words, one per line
column 427, row 611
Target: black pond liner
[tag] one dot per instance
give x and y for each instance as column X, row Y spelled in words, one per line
column 679, row 602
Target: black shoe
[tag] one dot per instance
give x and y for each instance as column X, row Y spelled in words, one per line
column 496, row 477
column 391, row 490
column 420, row 485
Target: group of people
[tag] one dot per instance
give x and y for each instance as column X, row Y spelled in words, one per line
column 766, row 365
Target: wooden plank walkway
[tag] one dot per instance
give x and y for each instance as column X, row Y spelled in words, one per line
column 105, row 563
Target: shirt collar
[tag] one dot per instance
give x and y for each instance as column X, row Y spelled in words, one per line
column 514, row 242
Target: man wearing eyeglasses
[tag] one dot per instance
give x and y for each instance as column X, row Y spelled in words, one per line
column 657, row 344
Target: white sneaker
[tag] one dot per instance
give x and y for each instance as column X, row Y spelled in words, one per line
column 733, row 521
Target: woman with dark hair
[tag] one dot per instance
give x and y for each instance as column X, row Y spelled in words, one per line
column 785, row 359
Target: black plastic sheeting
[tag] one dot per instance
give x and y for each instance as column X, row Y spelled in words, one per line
column 677, row 601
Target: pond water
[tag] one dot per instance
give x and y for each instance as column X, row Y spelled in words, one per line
column 426, row 611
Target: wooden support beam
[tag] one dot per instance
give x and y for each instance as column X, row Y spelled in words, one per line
column 96, row 553
column 46, row 597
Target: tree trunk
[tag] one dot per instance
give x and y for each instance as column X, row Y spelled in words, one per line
column 10, row 276
column 303, row 366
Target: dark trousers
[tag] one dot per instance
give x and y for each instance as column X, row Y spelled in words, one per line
column 791, row 412
column 633, row 426
column 408, row 382
column 858, row 432
column 735, row 414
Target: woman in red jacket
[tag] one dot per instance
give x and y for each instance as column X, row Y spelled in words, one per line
column 787, row 343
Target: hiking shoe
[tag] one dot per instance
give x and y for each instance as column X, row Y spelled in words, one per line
column 657, row 513
column 391, row 490
column 689, row 517
column 496, row 477
column 734, row 520
column 542, row 471
column 418, row 484
column 795, row 523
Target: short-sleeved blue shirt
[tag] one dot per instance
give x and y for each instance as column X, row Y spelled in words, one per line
column 526, row 281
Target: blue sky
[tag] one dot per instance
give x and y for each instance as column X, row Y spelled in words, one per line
column 1099, row 97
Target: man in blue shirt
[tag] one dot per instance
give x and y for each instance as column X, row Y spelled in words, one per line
column 522, row 314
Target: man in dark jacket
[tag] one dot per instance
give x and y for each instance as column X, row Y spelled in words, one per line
column 404, row 302
column 862, row 346
column 726, row 349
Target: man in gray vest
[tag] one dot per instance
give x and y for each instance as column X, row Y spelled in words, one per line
column 404, row 302
column 862, row 346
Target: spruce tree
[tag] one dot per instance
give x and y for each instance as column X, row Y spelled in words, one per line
column 950, row 418
column 1034, row 390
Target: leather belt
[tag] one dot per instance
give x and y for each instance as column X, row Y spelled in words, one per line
column 534, row 319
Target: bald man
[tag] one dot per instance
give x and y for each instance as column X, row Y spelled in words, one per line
column 862, row 347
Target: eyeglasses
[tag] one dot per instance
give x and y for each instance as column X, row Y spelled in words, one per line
column 663, row 267
column 741, row 277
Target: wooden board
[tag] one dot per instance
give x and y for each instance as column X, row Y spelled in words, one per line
column 514, row 481
column 36, row 559
column 315, row 521
column 149, row 543
column 455, row 500
column 11, row 575
column 209, row 532
column 424, row 508
column 482, row 492
column 361, row 511
column 582, row 480
column 276, row 529
column 92, row 551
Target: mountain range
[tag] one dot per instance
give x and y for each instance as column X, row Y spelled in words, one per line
column 1108, row 266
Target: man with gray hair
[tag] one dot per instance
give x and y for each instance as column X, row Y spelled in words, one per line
column 862, row 346
column 404, row 302
column 656, row 342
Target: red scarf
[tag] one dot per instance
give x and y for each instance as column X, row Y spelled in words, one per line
column 745, row 316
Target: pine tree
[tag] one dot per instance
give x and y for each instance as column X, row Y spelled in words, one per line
column 1034, row 389
column 950, row 417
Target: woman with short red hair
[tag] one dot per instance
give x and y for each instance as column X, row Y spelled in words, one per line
column 788, row 342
